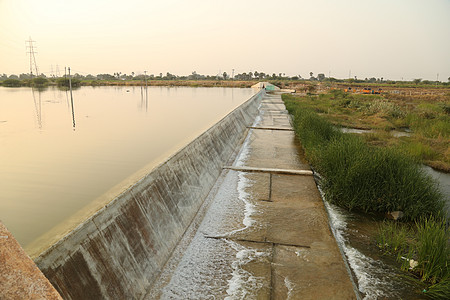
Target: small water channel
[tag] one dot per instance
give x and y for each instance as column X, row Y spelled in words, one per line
column 377, row 276
column 57, row 159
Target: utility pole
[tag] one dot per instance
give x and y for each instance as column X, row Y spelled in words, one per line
column 145, row 77
column 232, row 74
column 30, row 50
column 71, row 100
column 146, row 91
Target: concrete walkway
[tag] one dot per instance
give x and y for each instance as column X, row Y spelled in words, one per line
column 263, row 232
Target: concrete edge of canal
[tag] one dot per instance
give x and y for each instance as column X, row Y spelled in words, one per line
column 117, row 252
column 263, row 232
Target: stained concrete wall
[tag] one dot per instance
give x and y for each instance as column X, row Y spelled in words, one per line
column 118, row 252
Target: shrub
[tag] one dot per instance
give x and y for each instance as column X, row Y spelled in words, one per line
column 39, row 81
column 65, row 82
column 12, row 83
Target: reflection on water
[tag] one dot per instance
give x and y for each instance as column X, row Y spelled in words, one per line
column 48, row 170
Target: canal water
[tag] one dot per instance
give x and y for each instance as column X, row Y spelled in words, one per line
column 60, row 158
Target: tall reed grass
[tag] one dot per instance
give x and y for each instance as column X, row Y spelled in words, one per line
column 359, row 177
column 423, row 250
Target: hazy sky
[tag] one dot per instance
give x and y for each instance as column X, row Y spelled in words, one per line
column 393, row 39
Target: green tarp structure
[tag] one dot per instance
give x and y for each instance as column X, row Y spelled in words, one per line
column 268, row 86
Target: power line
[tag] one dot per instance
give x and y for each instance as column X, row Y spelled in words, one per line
column 30, row 50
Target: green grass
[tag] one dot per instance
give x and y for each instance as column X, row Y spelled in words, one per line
column 429, row 124
column 427, row 116
column 423, row 250
column 393, row 238
column 359, row 177
column 418, row 151
column 432, row 250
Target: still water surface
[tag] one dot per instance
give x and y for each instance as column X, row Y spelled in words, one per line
column 54, row 161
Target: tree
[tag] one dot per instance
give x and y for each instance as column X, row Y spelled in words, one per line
column 12, row 82
column 320, row 76
column 311, row 74
column 105, row 77
column 65, row 82
column 417, row 81
column 24, row 76
column 40, row 81
column 225, row 75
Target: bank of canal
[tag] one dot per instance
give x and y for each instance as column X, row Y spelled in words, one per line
column 363, row 178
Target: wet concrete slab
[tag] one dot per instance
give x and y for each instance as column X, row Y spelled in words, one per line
column 309, row 273
column 275, row 149
column 260, row 235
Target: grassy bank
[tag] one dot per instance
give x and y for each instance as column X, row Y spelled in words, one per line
column 426, row 118
column 359, row 175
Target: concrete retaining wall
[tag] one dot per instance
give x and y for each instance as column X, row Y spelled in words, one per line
column 118, row 252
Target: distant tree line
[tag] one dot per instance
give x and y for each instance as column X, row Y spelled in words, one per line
column 77, row 79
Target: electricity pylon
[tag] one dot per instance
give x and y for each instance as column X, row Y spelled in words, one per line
column 30, row 50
